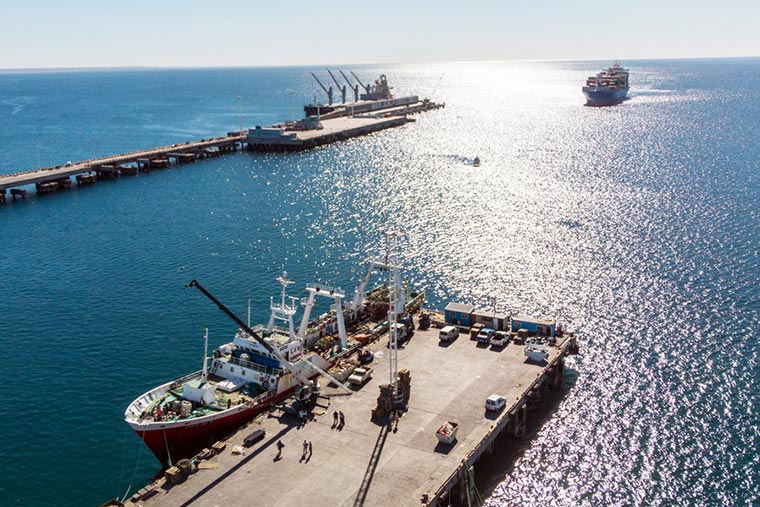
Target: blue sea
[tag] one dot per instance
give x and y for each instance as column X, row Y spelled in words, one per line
column 638, row 225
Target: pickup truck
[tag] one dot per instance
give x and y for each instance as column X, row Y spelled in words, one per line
column 500, row 339
column 360, row 376
column 342, row 370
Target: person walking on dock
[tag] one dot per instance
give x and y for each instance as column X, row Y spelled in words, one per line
column 305, row 450
column 280, row 445
column 308, row 458
column 342, row 420
column 335, row 420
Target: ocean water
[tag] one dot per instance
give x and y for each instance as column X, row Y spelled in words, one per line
column 637, row 224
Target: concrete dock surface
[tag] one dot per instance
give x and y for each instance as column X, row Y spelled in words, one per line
column 365, row 462
column 347, row 124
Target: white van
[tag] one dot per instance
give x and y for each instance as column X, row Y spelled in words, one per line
column 495, row 402
column 448, row 333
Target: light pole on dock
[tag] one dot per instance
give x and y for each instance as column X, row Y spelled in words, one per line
column 240, row 113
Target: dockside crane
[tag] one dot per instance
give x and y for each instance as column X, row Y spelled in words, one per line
column 354, row 87
column 366, row 87
column 297, row 373
column 328, row 91
column 341, row 88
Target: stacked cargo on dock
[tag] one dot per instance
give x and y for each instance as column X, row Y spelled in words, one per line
column 384, row 406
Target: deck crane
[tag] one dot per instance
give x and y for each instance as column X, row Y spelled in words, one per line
column 341, row 88
column 377, row 264
column 298, row 372
column 354, row 87
column 366, row 87
column 335, row 294
column 328, row 91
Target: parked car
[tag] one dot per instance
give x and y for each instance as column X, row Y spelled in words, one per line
column 485, row 335
column 360, row 376
column 495, row 402
column 500, row 339
column 448, row 334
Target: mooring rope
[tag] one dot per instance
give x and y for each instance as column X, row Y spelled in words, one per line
column 134, row 472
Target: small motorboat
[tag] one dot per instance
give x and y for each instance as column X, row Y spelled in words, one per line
column 476, row 162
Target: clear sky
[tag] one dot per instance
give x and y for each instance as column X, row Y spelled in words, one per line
column 190, row 33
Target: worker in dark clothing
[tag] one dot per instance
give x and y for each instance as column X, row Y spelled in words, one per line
column 280, row 445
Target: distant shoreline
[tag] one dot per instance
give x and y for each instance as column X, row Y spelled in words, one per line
column 40, row 70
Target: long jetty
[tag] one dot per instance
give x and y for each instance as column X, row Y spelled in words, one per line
column 294, row 136
column 368, row 462
column 52, row 179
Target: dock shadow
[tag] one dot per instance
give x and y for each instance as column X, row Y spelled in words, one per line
column 492, row 415
column 272, row 441
column 442, row 448
column 369, row 473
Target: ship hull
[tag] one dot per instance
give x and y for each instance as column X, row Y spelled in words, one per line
column 171, row 441
column 317, row 110
column 604, row 97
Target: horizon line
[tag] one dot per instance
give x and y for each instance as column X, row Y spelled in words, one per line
column 264, row 66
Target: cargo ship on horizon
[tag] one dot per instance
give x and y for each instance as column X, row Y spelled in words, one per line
column 607, row 88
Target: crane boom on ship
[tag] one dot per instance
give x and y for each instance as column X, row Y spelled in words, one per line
column 328, row 91
column 297, row 373
column 341, row 88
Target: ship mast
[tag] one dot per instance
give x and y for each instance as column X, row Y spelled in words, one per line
column 282, row 311
column 204, row 373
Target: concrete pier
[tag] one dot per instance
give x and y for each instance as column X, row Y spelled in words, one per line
column 370, row 462
column 274, row 139
column 110, row 167
column 269, row 139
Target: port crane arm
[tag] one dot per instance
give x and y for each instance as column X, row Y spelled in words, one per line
column 354, row 88
column 319, row 82
column 333, row 78
column 346, row 78
column 341, row 88
column 297, row 374
column 328, row 91
column 366, row 87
